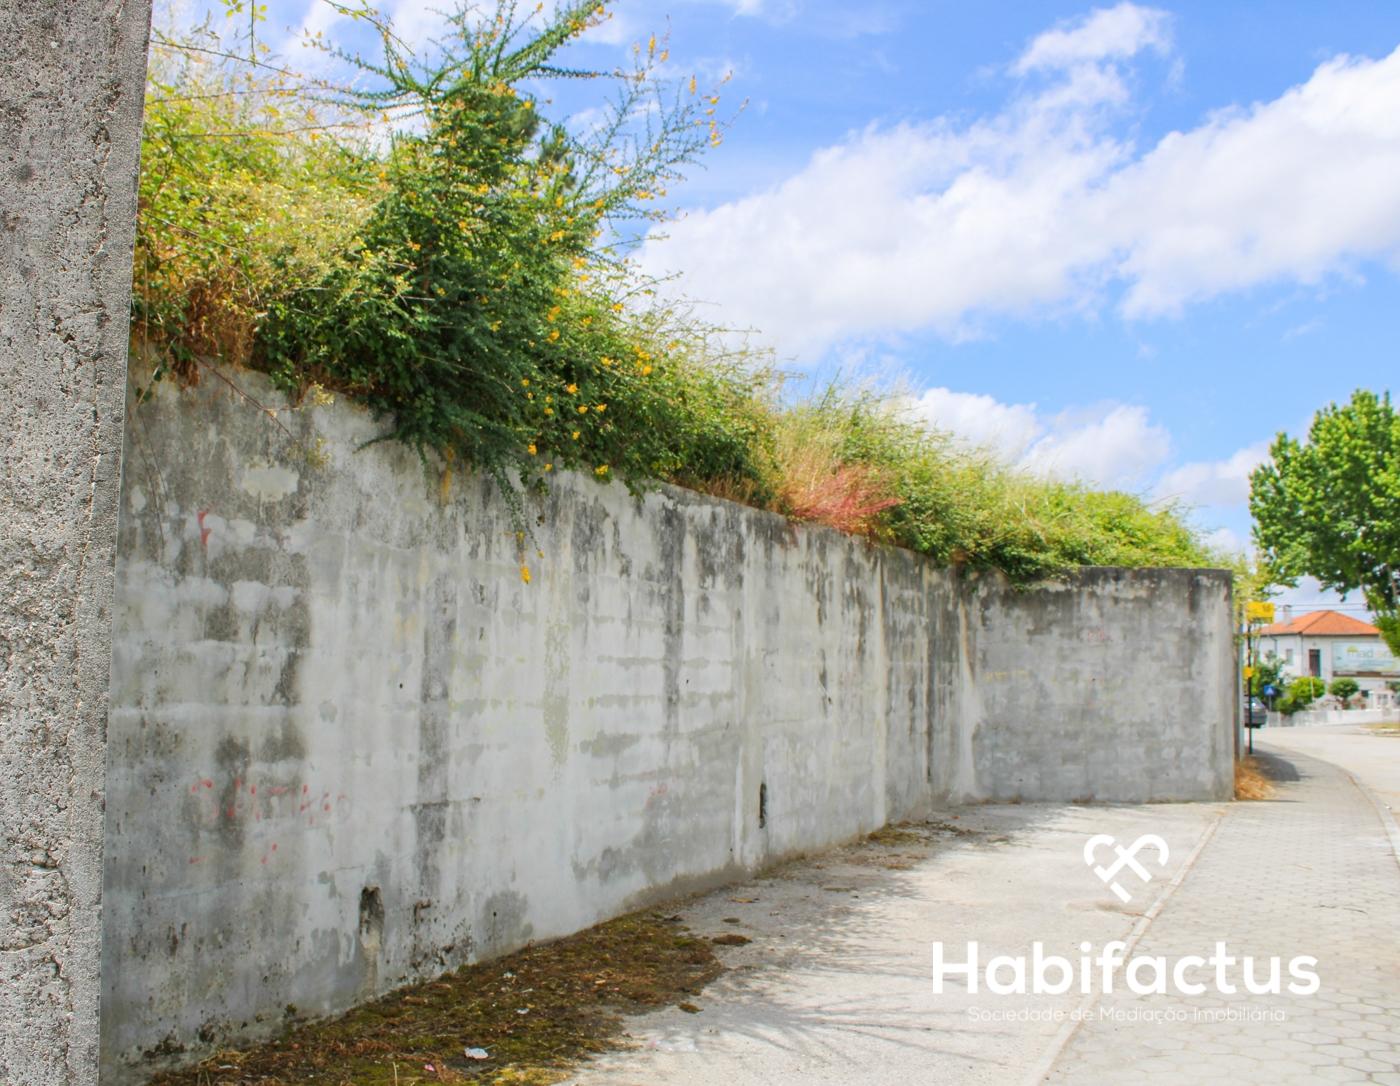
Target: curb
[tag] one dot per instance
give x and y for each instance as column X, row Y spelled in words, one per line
column 1047, row 1062
column 1383, row 812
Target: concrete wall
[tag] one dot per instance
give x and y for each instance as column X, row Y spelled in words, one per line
column 352, row 748
column 1117, row 686
column 70, row 112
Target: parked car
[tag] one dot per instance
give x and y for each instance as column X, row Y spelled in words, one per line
column 1256, row 713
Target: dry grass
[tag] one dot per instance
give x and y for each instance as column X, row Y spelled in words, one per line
column 813, row 482
column 1251, row 782
column 537, row 1013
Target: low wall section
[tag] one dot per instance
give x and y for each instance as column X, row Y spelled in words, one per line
column 349, row 747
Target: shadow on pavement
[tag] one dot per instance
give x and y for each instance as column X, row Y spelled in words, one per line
column 1276, row 768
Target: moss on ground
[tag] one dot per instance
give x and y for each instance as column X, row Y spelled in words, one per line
column 537, row 1013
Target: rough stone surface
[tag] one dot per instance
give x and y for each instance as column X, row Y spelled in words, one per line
column 350, row 747
column 70, row 112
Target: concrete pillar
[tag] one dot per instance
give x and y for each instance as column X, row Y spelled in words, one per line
column 71, row 86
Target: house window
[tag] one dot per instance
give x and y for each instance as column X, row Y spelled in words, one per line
column 1315, row 663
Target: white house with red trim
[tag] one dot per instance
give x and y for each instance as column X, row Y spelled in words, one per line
column 1329, row 645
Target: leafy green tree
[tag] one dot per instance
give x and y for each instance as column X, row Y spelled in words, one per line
column 1267, row 672
column 1344, row 688
column 1329, row 507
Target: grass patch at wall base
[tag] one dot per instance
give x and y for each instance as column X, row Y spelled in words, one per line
column 537, row 1013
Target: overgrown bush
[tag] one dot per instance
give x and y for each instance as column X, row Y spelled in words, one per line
column 433, row 246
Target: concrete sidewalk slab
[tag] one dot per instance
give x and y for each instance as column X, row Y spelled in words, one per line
column 835, row 986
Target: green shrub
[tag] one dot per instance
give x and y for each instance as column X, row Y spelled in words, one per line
column 1301, row 693
column 1344, row 688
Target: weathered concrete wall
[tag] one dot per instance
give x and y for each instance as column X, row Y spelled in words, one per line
column 351, row 747
column 71, row 87
column 1117, row 685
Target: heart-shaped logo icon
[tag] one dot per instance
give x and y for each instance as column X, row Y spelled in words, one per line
column 1127, row 857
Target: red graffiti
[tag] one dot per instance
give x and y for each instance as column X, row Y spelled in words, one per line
column 265, row 803
column 203, row 531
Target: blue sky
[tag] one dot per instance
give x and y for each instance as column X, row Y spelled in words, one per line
column 1127, row 243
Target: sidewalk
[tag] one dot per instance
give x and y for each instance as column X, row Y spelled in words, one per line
column 1311, row 872
column 833, row 984
column 835, row 990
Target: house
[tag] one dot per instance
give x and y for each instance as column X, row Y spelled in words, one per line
column 1330, row 645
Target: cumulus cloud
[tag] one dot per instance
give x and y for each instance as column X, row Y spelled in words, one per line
column 1044, row 207
column 984, row 421
column 1108, row 445
column 1216, row 482
column 1108, row 33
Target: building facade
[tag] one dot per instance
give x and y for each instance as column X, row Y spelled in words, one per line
column 1329, row 645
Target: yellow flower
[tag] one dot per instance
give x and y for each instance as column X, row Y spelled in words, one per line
column 553, row 314
column 646, row 371
column 575, row 435
column 583, row 409
column 571, row 389
column 524, row 382
column 525, row 574
column 617, row 307
column 606, row 360
column 549, row 410
column 692, row 84
column 554, row 335
column 533, row 450
column 600, row 407
column 602, row 469
column 549, row 467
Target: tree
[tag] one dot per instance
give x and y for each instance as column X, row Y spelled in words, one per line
column 1329, row 507
column 1344, row 688
column 1267, row 672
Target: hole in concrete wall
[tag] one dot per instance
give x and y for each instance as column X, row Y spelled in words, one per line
column 762, row 804
column 371, row 917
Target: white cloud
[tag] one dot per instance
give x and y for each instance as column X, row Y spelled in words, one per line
column 1006, row 429
column 1107, row 33
column 1041, row 207
column 1228, row 540
column 1115, row 446
column 1107, row 445
column 1216, row 483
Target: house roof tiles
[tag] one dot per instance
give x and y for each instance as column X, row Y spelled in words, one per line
column 1321, row 624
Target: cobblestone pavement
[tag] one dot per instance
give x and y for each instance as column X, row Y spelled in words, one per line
column 1310, row 872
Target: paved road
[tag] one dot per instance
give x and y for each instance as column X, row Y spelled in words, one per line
column 835, row 985
column 1369, row 755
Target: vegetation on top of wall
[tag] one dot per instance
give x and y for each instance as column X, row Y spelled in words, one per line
column 430, row 244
